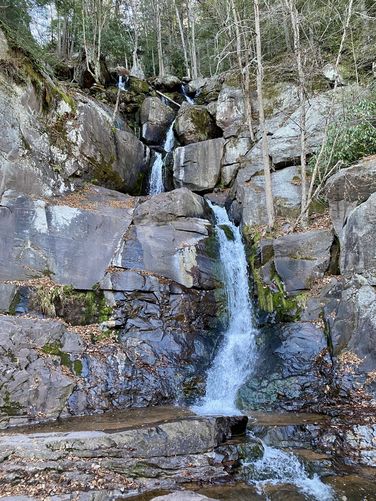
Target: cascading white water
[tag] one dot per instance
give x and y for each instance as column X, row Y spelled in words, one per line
column 278, row 467
column 170, row 139
column 156, row 178
column 121, row 83
column 236, row 355
column 156, row 184
column 187, row 98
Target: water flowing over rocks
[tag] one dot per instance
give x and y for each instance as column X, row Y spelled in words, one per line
column 113, row 296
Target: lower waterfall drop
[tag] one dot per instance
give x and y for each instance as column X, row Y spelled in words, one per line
column 156, row 178
column 235, row 357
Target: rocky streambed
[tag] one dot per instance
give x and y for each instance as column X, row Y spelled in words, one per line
column 141, row 454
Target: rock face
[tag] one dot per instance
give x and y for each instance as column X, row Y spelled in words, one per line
column 250, row 194
column 25, row 148
column 351, row 319
column 349, row 188
column 284, row 144
column 40, row 238
column 286, row 374
column 194, row 124
column 230, row 108
column 160, row 456
column 236, row 149
column 155, row 117
column 109, row 157
column 51, row 138
column 161, row 298
column 163, row 243
column 300, row 258
column 358, row 242
column 198, row 166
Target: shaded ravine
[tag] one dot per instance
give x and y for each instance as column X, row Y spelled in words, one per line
column 236, row 355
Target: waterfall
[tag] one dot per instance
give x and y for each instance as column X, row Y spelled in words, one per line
column 236, row 355
column 170, row 139
column 187, row 98
column 121, row 83
column 156, row 184
column 278, row 467
column 156, row 178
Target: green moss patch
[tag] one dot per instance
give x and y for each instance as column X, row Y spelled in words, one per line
column 55, row 349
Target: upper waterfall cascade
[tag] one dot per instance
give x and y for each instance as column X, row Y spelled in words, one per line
column 156, row 184
column 187, row 98
column 236, row 355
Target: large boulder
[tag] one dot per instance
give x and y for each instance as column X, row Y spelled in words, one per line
column 230, row 108
column 206, row 90
column 359, row 240
column 41, row 238
column 351, row 321
column 194, row 124
column 109, row 157
column 198, row 166
column 169, row 83
column 170, row 206
column 284, row 143
column 301, row 258
column 156, row 118
column 170, row 237
column 348, row 188
column 250, row 194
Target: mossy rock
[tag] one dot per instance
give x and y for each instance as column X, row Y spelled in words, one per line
column 271, row 298
column 55, row 349
column 75, row 307
column 138, row 86
column 10, row 407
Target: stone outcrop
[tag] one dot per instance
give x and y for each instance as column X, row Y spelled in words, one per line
column 230, row 108
column 155, row 118
column 40, row 238
column 110, row 157
column 194, row 124
column 348, row 188
column 120, row 462
column 51, row 138
column 26, row 151
column 358, row 242
column 302, row 258
column 198, row 166
column 286, row 375
column 250, row 194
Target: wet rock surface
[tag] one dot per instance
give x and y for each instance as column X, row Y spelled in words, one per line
column 287, row 371
column 126, row 462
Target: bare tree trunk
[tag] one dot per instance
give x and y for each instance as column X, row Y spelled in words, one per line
column 312, row 192
column 192, row 24
column 159, row 40
column 302, row 101
column 183, row 44
column 265, row 146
